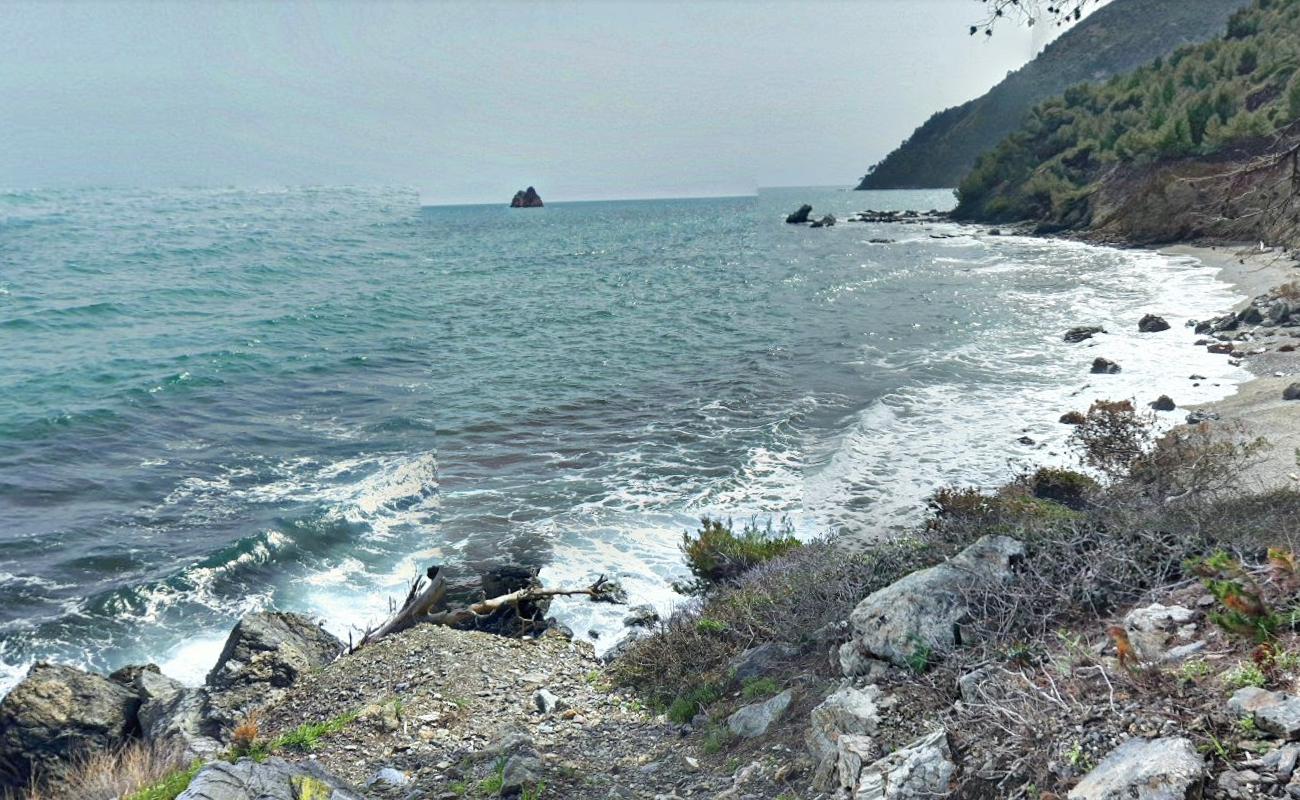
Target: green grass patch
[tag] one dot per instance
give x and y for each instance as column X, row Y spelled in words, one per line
column 759, row 688
column 170, row 787
column 693, row 701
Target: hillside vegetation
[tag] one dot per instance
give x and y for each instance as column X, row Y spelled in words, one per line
column 1114, row 39
column 1177, row 141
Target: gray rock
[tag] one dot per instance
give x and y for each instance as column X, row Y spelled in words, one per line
column 825, row 222
column 523, row 770
column 1104, row 366
column 273, row 779
column 272, row 648
column 55, row 713
column 923, row 613
column 754, row 719
column 1076, row 335
column 1153, row 629
column 923, row 769
column 1277, row 713
column 1282, row 761
column 1291, row 392
column 847, row 711
column 547, row 702
column 1144, row 769
column 762, row 660
column 642, row 616
column 387, row 776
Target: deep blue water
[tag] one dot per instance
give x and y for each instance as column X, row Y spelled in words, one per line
column 217, row 400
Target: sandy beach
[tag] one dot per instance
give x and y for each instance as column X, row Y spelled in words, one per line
column 1257, row 406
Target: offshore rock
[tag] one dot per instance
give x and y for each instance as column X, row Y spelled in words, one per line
column 801, row 216
column 1104, row 366
column 1152, row 324
column 825, row 222
column 56, row 713
column 1079, row 334
column 526, row 198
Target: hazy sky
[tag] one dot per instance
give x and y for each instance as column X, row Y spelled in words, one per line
column 468, row 101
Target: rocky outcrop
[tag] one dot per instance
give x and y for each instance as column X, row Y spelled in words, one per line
column 175, row 715
column 272, row 648
column 57, row 712
column 1104, row 366
column 1082, row 333
column 847, row 712
column 1146, row 769
column 753, row 720
column 264, row 654
column 1150, row 323
column 922, row 615
column 923, row 769
column 272, row 779
column 799, row 217
column 1291, row 392
column 825, row 222
column 526, row 198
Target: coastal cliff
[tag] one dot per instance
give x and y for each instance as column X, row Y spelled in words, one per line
column 1115, row 38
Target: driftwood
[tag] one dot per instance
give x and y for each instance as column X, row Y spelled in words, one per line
column 426, row 603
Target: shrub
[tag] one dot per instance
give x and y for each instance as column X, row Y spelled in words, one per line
column 694, row 700
column 786, row 599
column 134, row 772
column 717, row 555
column 1064, row 486
column 1113, row 436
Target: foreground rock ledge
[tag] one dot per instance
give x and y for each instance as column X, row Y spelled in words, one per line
column 1145, row 769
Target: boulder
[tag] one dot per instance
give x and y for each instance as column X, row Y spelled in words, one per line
column 1073, row 418
column 1152, row 324
column 1197, row 417
column 526, row 198
column 761, row 660
column 264, row 654
column 546, row 702
column 1163, row 403
column 1104, row 366
column 1156, row 631
column 923, row 769
column 847, row 711
column 801, row 216
column 1220, row 348
column 522, row 771
column 825, row 222
column 56, row 713
column 1079, row 334
column 754, row 719
column 273, row 779
column 1277, row 713
column 923, row 613
column 274, row 648
column 175, row 715
column 1144, row 769
column 1291, row 392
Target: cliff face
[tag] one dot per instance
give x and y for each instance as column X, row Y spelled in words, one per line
column 1114, row 39
column 1196, row 144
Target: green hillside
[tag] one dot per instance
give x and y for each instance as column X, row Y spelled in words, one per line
column 1114, row 39
column 1208, row 102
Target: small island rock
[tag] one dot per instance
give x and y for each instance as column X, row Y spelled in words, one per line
column 526, row 198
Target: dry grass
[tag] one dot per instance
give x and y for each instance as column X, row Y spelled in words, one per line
column 108, row 775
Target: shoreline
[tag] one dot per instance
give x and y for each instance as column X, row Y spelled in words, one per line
column 1257, row 405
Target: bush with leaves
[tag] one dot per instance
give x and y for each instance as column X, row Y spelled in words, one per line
column 717, row 555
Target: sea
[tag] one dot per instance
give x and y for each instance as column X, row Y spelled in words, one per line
column 214, row 401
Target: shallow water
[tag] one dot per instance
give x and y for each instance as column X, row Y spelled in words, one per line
column 218, row 400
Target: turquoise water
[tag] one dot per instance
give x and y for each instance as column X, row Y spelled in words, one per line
column 217, row 400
